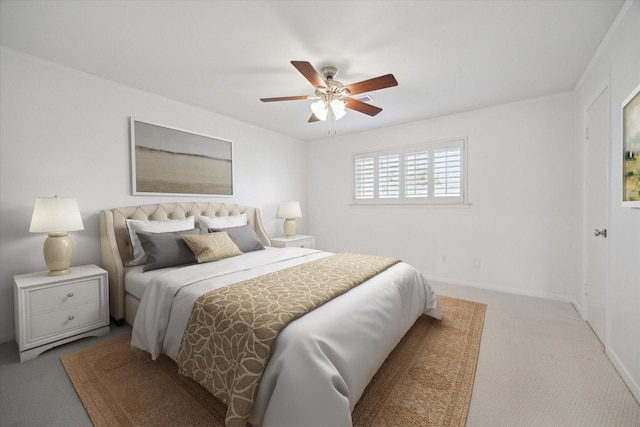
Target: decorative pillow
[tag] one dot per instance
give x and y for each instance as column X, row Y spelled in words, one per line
column 244, row 237
column 222, row 221
column 211, row 247
column 133, row 226
column 166, row 249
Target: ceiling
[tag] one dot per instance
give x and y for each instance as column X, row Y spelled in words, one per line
column 222, row 56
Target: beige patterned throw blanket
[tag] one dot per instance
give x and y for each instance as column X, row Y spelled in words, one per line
column 228, row 339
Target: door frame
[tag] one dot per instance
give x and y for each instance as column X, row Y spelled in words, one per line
column 586, row 232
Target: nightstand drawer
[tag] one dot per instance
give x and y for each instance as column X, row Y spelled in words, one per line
column 59, row 321
column 299, row 241
column 55, row 297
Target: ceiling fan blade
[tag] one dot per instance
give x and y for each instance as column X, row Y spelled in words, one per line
column 284, row 98
column 372, row 84
column 362, row 107
column 309, row 73
column 313, row 118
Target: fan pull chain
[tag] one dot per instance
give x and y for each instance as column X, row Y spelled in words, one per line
column 331, row 120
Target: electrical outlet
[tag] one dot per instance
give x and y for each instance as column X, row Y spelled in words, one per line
column 476, row 263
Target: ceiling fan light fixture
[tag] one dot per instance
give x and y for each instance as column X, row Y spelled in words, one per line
column 320, row 109
column 338, row 108
column 332, row 97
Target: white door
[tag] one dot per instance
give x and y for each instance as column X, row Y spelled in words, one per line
column 597, row 212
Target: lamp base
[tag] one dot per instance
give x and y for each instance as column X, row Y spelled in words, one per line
column 290, row 227
column 59, row 272
column 58, row 252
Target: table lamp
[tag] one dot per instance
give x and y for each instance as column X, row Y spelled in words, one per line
column 290, row 210
column 55, row 216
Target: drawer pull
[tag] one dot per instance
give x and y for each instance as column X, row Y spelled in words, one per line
column 71, row 317
column 70, row 294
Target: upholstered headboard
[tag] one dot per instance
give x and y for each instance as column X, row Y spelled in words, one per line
column 114, row 240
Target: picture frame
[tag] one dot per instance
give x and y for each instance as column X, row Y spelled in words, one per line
column 631, row 149
column 174, row 162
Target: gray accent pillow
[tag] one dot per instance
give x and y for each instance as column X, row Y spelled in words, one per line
column 244, row 237
column 166, row 249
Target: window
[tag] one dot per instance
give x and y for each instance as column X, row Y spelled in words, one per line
column 364, row 176
column 432, row 173
column 389, row 176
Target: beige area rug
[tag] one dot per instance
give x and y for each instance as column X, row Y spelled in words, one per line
column 427, row 380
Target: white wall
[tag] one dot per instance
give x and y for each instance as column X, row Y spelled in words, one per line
column 618, row 63
column 524, row 219
column 66, row 132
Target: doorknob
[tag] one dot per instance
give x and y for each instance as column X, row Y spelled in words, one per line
column 602, row 232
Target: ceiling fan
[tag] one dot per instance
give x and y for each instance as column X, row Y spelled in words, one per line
column 332, row 96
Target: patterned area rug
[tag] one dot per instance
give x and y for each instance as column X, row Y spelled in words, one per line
column 427, row 380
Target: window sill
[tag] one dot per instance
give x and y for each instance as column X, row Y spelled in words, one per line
column 462, row 205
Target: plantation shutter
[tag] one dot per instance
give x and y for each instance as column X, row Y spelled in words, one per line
column 416, row 174
column 447, row 172
column 431, row 173
column 364, row 178
column 389, row 176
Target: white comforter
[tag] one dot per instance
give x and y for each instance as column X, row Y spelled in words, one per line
column 320, row 363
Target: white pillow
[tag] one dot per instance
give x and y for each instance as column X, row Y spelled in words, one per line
column 138, row 256
column 222, row 221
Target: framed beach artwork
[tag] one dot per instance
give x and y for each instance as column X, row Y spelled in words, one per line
column 631, row 150
column 174, row 162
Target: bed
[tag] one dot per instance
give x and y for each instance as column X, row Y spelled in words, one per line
column 318, row 365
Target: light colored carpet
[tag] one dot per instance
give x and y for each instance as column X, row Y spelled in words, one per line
column 426, row 381
column 541, row 365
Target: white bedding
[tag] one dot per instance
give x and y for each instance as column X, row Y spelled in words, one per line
column 137, row 281
column 321, row 363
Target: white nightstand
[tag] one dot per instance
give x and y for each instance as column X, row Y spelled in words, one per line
column 54, row 310
column 298, row 241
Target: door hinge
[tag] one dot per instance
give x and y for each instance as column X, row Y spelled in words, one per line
column 586, row 133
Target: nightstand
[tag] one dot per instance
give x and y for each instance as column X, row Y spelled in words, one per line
column 298, row 241
column 54, row 310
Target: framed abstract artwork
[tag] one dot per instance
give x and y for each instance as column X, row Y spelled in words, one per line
column 174, row 162
column 631, row 150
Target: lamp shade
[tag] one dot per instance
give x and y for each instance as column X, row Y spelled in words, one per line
column 320, row 110
column 55, row 214
column 290, row 209
column 338, row 108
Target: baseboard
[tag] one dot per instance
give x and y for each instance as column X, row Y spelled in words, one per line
column 580, row 310
column 626, row 377
column 508, row 290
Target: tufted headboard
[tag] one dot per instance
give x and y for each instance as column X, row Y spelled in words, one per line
column 114, row 240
